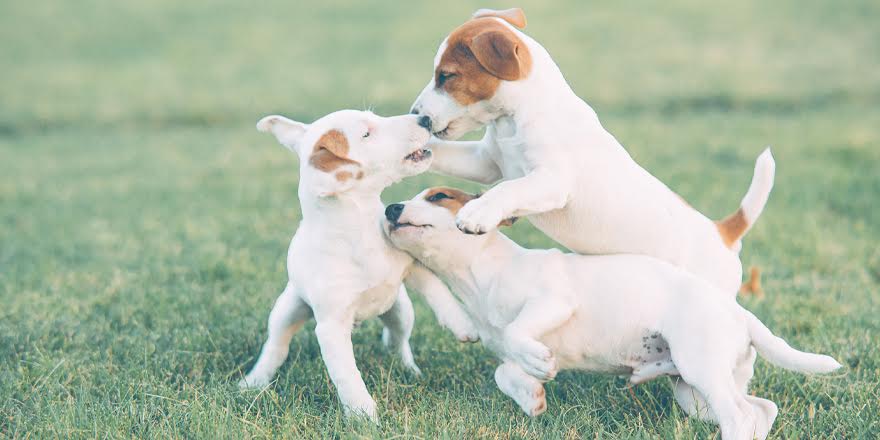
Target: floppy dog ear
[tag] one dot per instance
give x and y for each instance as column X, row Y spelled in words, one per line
column 502, row 54
column 514, row 16
column 287, row 131
column 335, row 171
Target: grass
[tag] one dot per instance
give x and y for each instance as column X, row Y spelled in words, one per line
column 144, row 222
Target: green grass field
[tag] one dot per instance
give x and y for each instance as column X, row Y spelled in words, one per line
column 144, row 222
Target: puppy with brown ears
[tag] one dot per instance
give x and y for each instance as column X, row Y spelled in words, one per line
column 543, row 310
column 341, row 270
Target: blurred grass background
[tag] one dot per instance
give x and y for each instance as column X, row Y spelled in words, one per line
column 144, row 222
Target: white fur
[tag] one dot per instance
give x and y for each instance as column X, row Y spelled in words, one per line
column 341, row 268
column 541, row 310
column 574, row 180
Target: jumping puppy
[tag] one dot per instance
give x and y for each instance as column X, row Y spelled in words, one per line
column 556, row 162
column 341, row 269
column 633, row 315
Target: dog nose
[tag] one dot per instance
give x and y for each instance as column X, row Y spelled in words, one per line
column 425, row 122
column 392, row 212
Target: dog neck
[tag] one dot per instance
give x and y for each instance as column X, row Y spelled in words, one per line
column 469, row 269
column 544, row 92
column 347, row 212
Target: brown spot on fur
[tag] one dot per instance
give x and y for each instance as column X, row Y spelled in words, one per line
column 331, row 152
column 479, row 54
column 514, row 16
column 752, row 286
column 342, row 176
column 733, row 227
column 456, row 200
column 360, row 175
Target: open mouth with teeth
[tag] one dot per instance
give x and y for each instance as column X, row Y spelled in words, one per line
column 418, row 155
column 395, row 226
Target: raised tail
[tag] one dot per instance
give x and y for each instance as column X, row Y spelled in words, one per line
column 735, row 226
column 779, row 353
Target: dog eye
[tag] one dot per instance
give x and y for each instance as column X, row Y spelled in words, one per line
column 438, row 196
column 442, row 77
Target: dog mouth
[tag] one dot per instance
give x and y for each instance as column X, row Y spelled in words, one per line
column 395, row 226
column 442, row 134
column 418, row 155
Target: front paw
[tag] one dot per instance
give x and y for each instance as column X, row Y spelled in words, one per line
column 366, row 410
column 254, row 381
column 534, row 357
column 465, row 332
column 478, row 217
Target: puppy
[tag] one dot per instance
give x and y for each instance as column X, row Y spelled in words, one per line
column 633, row 315
column 557, row 164
column 341, row 269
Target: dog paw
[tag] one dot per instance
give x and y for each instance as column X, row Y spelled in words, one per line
column 534, row 357
column 478, row 217
column 251, row 382
column 464, row 331
column 365, row 410
column 534, row 401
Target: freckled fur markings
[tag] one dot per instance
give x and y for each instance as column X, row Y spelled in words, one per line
column 331, row 152
column 481, row 53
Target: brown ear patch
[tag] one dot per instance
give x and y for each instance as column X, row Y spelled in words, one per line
column 453, row 202
column 479, row 54
column 733, row 227
column 514, row 16
column 331, row 152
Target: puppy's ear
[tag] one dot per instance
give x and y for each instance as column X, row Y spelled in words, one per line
column 287, row 131
column 335, row 172
column 502, row 54
column 508, row 221
column 514, row 16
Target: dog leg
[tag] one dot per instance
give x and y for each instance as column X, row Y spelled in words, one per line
column 465, row 159
column 765, row 410
column 334, row 337
column 527, row 391
column 691, row 401
column 288, row 315
column 398, row 323
column 537, row 192
column 446, row 308
column 536, row 318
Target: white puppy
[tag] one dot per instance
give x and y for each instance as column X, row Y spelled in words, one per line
column 341, row 269
column 559, row 166
column 621, row 314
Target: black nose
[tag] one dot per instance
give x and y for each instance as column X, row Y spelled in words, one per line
column 425, row 122
column 392, row 212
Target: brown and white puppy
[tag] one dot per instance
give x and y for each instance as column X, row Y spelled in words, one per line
column 341, row 270
column 555, row 162
column 540, row 310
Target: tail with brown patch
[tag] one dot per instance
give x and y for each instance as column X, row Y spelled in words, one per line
column 735, row 226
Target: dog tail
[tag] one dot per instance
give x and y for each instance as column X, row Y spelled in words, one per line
column 735, row 226
column 775, row 350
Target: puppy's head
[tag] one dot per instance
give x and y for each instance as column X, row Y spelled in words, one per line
column 424, row 226
column 472, row 67
column 353, row 149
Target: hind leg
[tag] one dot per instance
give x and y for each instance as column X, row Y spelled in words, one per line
column 398, row 321
column 691, row 401
column 527, row 391
column 287, row 316
column 765, row 410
